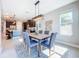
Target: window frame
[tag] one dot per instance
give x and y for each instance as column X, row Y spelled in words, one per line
column 65, row 12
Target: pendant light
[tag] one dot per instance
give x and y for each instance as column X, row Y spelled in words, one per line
column 37, row 15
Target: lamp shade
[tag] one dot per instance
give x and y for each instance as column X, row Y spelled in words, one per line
column 39, row 17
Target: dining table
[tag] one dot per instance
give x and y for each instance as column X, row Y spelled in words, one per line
column 39, row 38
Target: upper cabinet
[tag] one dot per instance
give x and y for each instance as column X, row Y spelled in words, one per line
column 31, row 23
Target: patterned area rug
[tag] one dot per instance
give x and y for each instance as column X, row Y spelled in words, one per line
column 22, row 52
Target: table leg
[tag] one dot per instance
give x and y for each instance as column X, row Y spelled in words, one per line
column 39, row 50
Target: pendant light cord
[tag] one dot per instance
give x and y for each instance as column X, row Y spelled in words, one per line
column 37, row 8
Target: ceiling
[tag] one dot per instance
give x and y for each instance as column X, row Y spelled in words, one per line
column 25, row 9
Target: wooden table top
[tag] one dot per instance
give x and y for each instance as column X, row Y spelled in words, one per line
column 38, row 36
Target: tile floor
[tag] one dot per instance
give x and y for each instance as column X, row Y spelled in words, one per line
column 61, row 51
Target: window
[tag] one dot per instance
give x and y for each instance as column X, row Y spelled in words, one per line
column 66, row 23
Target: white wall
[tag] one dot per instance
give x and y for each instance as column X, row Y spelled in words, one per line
column 0, row 30
column 54, row 15
column 0, row 27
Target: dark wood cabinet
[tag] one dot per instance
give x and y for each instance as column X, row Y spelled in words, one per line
column 8, row 29
column 9, row 23
column 31, row 23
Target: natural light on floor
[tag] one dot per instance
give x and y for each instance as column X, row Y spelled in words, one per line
column 58, row 53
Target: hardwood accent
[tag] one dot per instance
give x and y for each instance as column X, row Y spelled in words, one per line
column 38, row 36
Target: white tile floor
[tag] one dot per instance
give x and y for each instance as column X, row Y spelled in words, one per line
column 8, row 53
column 8, row 50
column 62, row 51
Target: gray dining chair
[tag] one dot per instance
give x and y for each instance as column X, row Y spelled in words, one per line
column 49, row 43
column 46, row 32
column 29, row 43
column 40, row 31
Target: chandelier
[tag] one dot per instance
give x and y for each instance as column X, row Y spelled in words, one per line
column 37, row 15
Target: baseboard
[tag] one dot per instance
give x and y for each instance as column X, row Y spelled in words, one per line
column 73, row 45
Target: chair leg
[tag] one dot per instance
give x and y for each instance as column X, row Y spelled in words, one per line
column 41, row 48
column 25, row 46
column 49, row 52
column 37, row 47
column 53, row 49
column 29, row 51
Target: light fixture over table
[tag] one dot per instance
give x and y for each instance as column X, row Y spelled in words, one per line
column 37, row 15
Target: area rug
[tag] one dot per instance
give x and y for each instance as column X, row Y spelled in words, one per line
column 22, row 52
